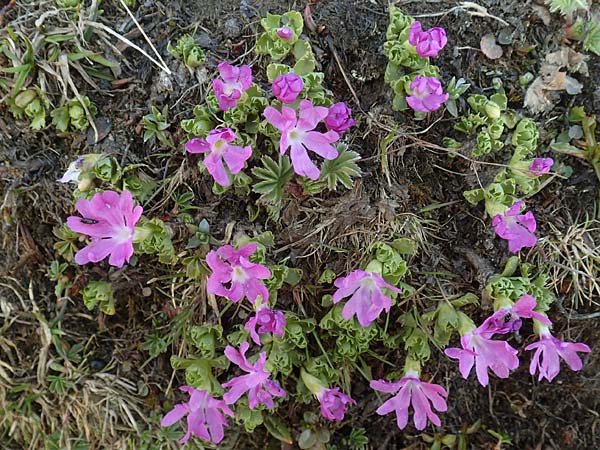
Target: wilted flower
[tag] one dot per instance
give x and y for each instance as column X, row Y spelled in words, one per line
column 257, row 382
column 411, row 390
column 287, row 87
column 298, row 133
column 217, row 144
column 508, row 319
column 367, row 298
column 428, row 43
column 478, row 348
column 333, row 402
column 235, row 81
column 204, row 416
column 549, row 350
column 516, row 228
column 268, row 321
column 427, row 94
column 338, row 119
column 109, row 219
column 73, row 171
column 285, row 33
column 230, row 266
column 540, row 166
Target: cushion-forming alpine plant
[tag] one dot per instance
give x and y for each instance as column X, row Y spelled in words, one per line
column 109, row 219
column 233, row 267
column 217, row 145
column 299, row 133
column 233, row 83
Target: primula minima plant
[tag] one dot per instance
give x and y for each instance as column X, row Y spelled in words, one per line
column 109, row 219
column 426, row 94
column 233, row 267
column 515, row 227
column 299, row 134
column 257, row 382
column 205, row 416
column 217, row 145
column 287, row 87
column 367, row 298
column 233, row 83
column 333, row 402
column 268, row 321
column 427, row 43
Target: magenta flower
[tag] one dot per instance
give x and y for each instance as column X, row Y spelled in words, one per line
column 268, row 321
column 427, row 94
column 109, row 219
column 338, row 119
column 412, row 391
column 287, row 87
column 367, row 298
column 235, row 81
column 298, row 133
column 516, row 228
column 550, row 350
column 507, row 320
column 204, row 416
column 333, row 403
column 428, row 43
column 257, row 382
column 233, row 267
column 285, row 33
column 478, row 348
column 217, row 144
column 540, row 166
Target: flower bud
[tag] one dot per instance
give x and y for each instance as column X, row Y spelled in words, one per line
column 286, row 88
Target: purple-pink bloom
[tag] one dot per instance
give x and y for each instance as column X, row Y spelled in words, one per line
column 338, row 119
column 298, row 133
column 428, row 43
column 549, row 350
column 217, row 144
column 508, row 319
column 257, row 382
column 204, row 416
column 268, row 321
column 516, row 228
column 427, row 94
column 367, row 298
column 285, row 33
column 333, row 403
column 287, row 87
column 540, row 166
column 234, row 268
column 412, row 391
column 109, row 219
column 234, row 81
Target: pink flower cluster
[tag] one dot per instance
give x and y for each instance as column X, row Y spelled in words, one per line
column 427, row 94
column 233, row 83
column 479, row 349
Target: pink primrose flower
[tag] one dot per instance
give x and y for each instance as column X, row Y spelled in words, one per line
column 411, row 390
column 285, row 33
column 204, row 416
column 109, row 219
column 333, row 403
column 233, row 267
column 256, row 382
column 428, row 43
column 367, row 299
column 516, row 228
column 234, row 81
column 507, row 320
column 549, row 350
column 287, row 87
column 268, row 321
column 298, row 133
column 218, row 148
column 427, row 94
column 540, row 166
column 338, row 119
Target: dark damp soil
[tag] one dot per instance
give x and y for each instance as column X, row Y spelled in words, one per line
column 561, row 415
